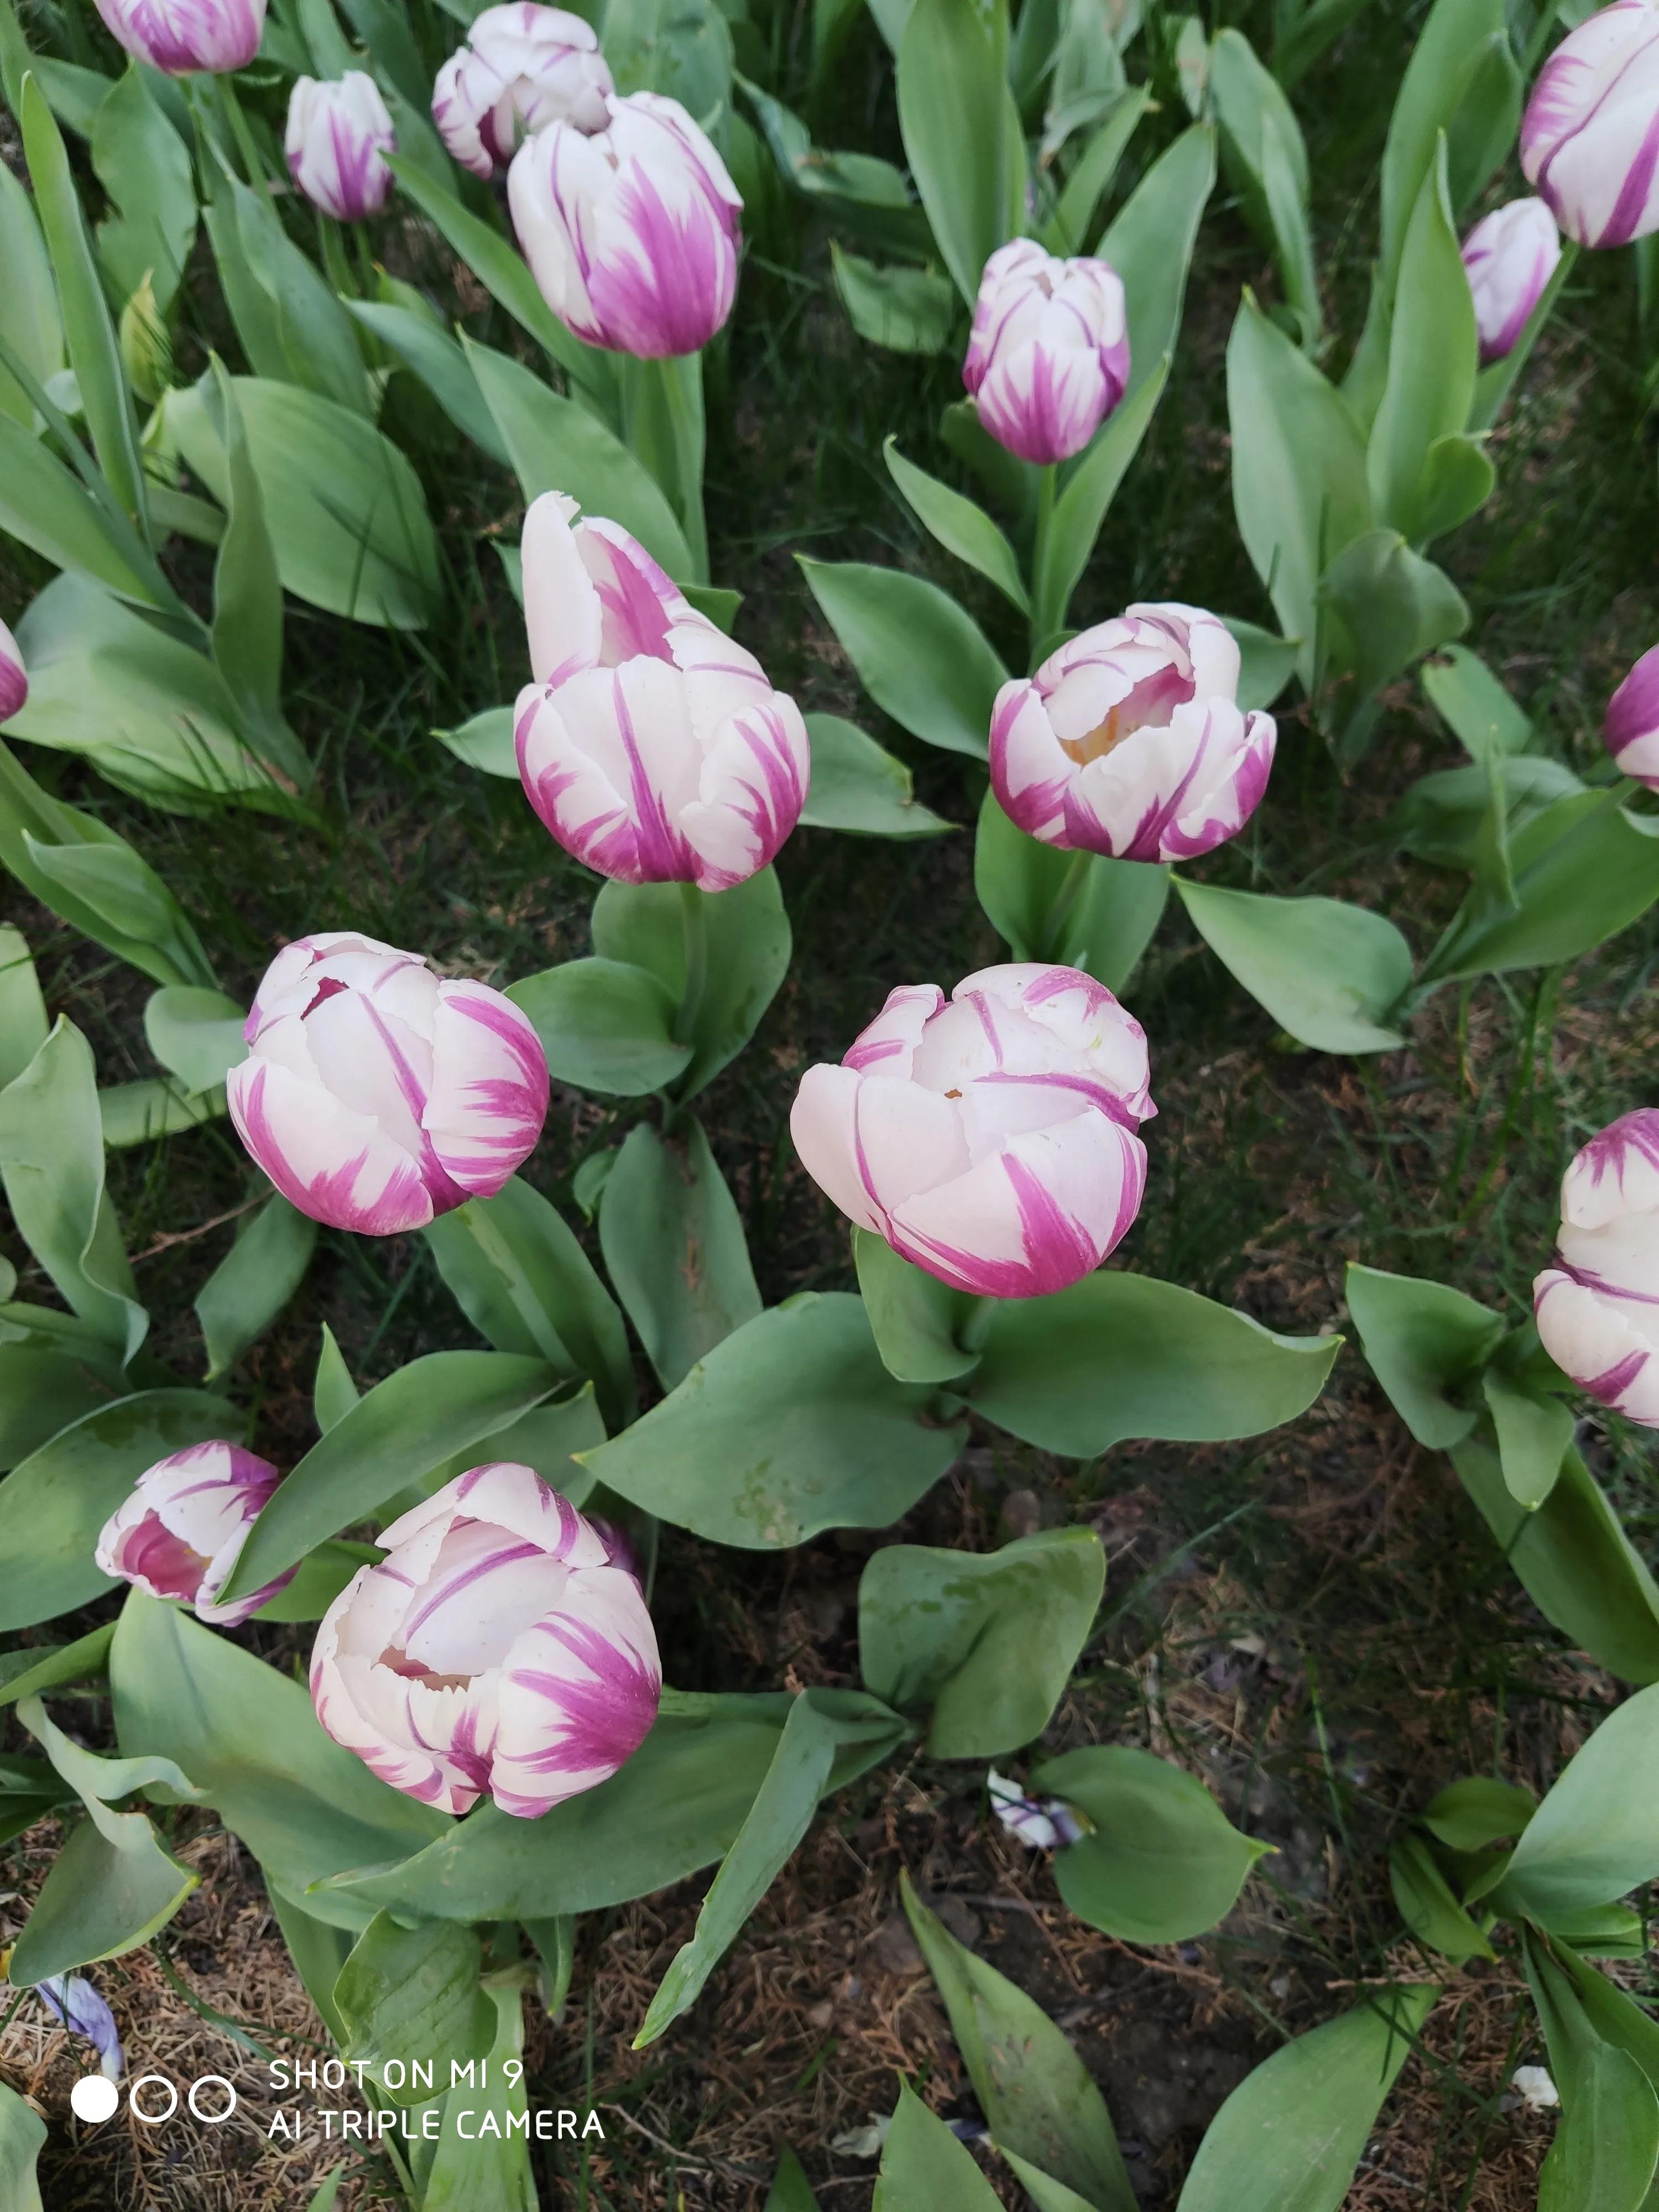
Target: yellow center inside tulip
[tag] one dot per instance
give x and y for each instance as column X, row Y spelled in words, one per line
column 1095, row 744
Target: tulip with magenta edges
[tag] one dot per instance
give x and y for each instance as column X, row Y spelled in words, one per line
column 1509, row 257
column 523, row 67
column 503, row 1647
column 1048, row 356
column 652, row 746
column 1590, row 138
column 179, row 37
column 181, row 1531
column 376, row 1095
column 990, row 1137
column 1129, row 740
column 1631, row 726
column 338, row 136
column 14, row 676
column 1597, row 1309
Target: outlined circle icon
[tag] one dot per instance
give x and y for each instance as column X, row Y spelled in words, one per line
column 94, row 2099
column 212, row 2120
column 152, row 2119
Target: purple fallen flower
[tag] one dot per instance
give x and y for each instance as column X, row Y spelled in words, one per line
column 74, row 2002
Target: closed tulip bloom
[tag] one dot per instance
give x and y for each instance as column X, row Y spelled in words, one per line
column 652, row 747
column 1130, row 741
column 630, row 231
column 1590, row 138
column 1631, row 727
column 1048, row 356
column 182, row 1530
column 1510, row 257
column 14, row 676
column 989, row 1137
column 522, row 67
column 1597, row 1308
column 338, row 135
column 500, row 1647
column 375, row 1096
column 179, row 37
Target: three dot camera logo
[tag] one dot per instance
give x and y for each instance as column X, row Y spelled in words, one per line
column 152, row 2098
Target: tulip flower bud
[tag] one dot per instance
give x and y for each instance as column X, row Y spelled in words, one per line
column 630, row 231
column 376, row 1097
column 523, row 67
column 14, row 676
column 339, row 132
column 181, row 1531
column 1048, row 356
column 652, row 747
column 990, row 1137
column 1510, row 257
column 146, row 343
column 179, row 37
column 1597, row 1308
column 1631, row 726
column 500, row 1647
column 1129, row 740
column 1590, row 138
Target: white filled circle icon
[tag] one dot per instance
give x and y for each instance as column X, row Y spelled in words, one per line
column 94, row 2099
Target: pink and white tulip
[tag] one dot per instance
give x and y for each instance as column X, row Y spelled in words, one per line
column 523, row 67
column 1129, row 740
column 376, row 1097
column 990, row 1137
column 1631, row 726
column 631, row 230
column 652, row 747
column 182, row 1530
column 338, row 136
column 1510, row 257
column 1590, row 138
column 14, row 676
column 179, row 37
column 1597, row 1308
column 501, row 1647
column 1048, row 356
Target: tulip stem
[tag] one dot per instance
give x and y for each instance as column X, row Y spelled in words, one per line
column 694, row 921
column 1042, row 622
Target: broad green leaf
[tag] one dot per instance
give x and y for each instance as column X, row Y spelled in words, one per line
column 790, row 2191
column 664, row 47
column 23, row 1023
column 345, row 510
column 1267, row 663
column 333, row 1392
column 555, row 1939
column 1329, row 973
column 905, row 310
column 1575, row 1561
column 144, row 165
column 674, row 1246
column 29, row 1791
column 322, row 1575
column 1036, row 2098
column 23, row 2138
column 1080, row 909
column 1429, row 1907
column 248, row 1738
column 440, row 1405
column 254, row 1281
column 248, row 594
column 790, row 1426
column 29, row 321
column 1445, row 819
column 319, row 1950
column 1479, row 1810
column 1564, row 1983
column 605, row 1025
column 197, row 1034
column 412, row 1994
column 52, row 1166
column 1091, row 485
column 1483, row 717
column 482, row 2162
column 315, row 339
column 960, row 130
column 485, row 741
column 427, row 351
column 916, row 1320
column 85, row 1659
column 1263, row 144
column 46, row 505
column 42, row 1392
column 1424, row 1340
column 1534, row 1435
column 1122, row 1355
column 821, row 1722
column 53, row 1505
column 1093, row 172
column 921, row 658
column 1449, row 51
column 858, row 785
column 1013, row 484
column 867, row 196
column 746, row 944
column 1160, row 1862
column 525, row 1283
column 1290, row 2136
column 140, row 1113
column 924, row 2168
column 1593, row 1839
column 983, row 1644
column 1150, row 244
column 1381, row 607
column 961, row 526
column 1607, row 2143
column 1433, row 355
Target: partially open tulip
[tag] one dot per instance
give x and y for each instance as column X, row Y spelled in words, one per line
column 1597, row 1308
column 1048, row 356
column 179, row 37
column 14, row 676
column 338, row 136
column 1510, row 256
column 1590, row 138
column 990, row 1137
column 182, row 1530
column 630, row 230
column 522, row 67
column 652, row 747
column 501, row 1647
column 376, row 1097
column 1631, row 727
column 1130, row 741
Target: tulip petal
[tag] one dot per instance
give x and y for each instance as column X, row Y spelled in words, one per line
column 489, row 1087
column 563, row 612
column 578, row 1695
column 335, row 1165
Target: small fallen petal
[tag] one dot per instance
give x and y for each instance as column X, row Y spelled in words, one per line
column 1536, row 2088
column 862, row 2143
